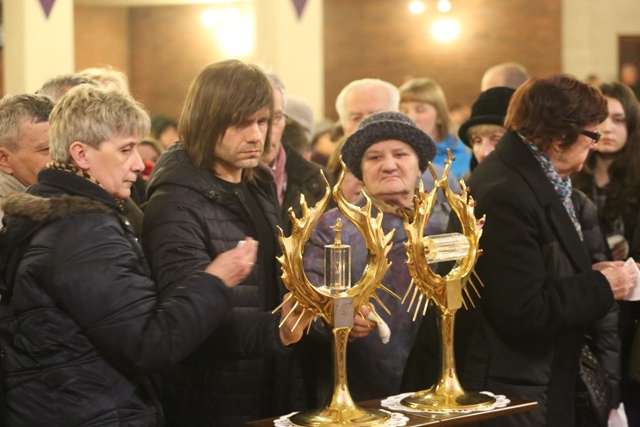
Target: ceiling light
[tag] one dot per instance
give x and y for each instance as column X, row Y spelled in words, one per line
column 416, row 7
column 445, row 30
column 444, row 5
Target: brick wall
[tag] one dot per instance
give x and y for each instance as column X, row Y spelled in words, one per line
column 167, row 53
column 382, row 39
column 162, row 50
column 101, row 37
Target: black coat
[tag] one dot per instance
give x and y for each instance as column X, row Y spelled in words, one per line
column 81, row 322
column 540, row 293
column 303, row 177
column 602, row 334
column 190, row 219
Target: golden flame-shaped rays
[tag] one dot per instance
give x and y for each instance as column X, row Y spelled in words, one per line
column 446, row 293
column 426, row 281
column 317, row 300
column 341, row 410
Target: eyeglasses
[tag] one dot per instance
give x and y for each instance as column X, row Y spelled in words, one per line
column 279, row 118
column 591, row 134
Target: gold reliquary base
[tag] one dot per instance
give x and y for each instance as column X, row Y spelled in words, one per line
column 435, row 400
column 350, row 416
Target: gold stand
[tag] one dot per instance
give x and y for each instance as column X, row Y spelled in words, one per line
column 337, row 302
column 445, row 293
column 340, row 409
column 447, row 395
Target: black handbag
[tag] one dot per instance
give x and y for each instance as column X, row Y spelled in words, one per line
column 634, row 357
column 593, row 392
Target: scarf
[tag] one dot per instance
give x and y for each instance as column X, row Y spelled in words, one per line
column 561, row 185
column 390, row 209
column 280, row 173
column 69, row 167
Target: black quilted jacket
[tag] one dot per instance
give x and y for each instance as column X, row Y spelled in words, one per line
column 81, row 322
column 190, row 218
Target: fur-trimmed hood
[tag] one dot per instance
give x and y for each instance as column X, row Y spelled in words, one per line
column 25, row 214
column 41, row 209
column 57, row 195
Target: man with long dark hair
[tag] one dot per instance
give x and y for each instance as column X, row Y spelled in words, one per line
column 204, row 199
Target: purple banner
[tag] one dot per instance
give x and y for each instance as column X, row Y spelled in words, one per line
column 299, row 5
column 47, row 5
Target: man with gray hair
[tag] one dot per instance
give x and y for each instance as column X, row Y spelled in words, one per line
column 57, row 86
column 507, row 74
column 24, row 141
column 357, row 101
column 293, row 175
column 361, row 98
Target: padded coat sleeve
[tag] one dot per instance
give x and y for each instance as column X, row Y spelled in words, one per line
column 176, row 241
column 100, row 279
column 523, row 294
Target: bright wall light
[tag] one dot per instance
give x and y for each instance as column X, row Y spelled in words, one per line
column 444, row 5
column 416, row 7
column 445, row 30
column 233, row 28
column 210, row 18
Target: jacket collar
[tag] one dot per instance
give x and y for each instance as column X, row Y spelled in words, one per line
column 73, row 184
column 9, row 184
column 515, row 154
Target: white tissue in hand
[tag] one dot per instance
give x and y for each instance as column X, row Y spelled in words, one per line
column 383, row 328
column 614, row 240
column 634, row 295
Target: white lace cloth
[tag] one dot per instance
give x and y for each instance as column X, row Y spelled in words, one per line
column 393, row 403
column 396, row 420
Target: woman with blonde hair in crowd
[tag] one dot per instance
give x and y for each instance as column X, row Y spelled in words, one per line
column 83, row 323
column 424, row 101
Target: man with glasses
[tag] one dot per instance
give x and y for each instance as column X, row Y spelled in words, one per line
column 292, row 174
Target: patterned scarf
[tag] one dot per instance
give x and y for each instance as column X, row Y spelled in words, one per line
column 562, row 185
column 388, row 208
column 68, row 167
column 280, row 173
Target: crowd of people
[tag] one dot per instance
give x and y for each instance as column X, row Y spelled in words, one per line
column 138, row 254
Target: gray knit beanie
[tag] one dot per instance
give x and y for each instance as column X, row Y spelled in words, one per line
column 382, row 126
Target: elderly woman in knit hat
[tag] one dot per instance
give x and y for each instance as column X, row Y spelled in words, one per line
column 388, row 153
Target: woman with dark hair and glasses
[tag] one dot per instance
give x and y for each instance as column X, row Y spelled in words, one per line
column 610, row 178
column 541, row 290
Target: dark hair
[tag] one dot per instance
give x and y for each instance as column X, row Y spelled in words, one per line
column 623, row 190
column 161, row 123
column 224, row 94
column 152, row 144
column 555, row 106
column 295, row 136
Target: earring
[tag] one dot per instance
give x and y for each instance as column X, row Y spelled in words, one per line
column 559, row 153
